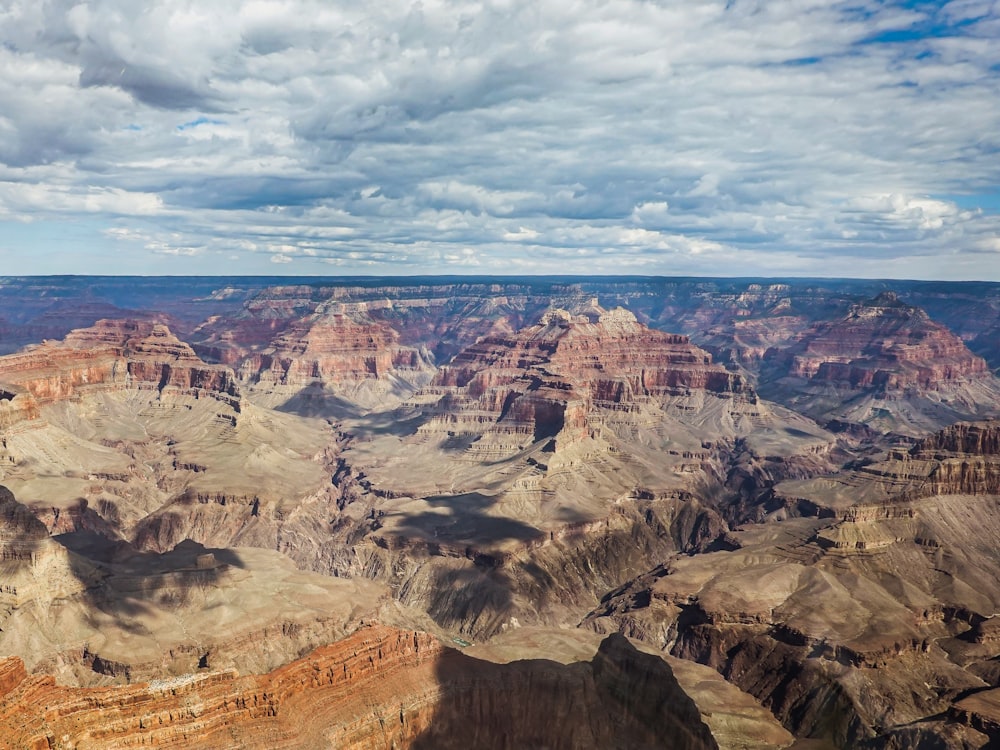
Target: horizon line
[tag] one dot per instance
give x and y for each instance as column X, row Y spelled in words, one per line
column 505, row 277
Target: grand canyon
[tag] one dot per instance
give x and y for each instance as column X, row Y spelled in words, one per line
column 453, row 512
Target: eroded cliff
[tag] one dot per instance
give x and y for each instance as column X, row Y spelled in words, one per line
column 885, row 364
column 379, row 687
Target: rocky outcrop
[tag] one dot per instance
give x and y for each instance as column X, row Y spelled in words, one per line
column 545, row 381
column 883, row 344
column 380, row 687
column 857, row 622
column 335, row 347
column 980, row 711
column 17, row 405
column 978, row 439
column 960, row 460
column 885, row 364
column 114, row 355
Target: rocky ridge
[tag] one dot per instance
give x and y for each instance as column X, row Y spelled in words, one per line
column 340, row 349
column 379, row 687
column 885, row 364
column 114, row 354
column 545, row 381
column 865, row 616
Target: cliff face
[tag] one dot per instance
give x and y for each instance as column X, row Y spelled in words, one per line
column 380, row 687
column 443, row 317
column 960, row 460
column 976, row 439
column 545, row 380
column 883, row 344
column 336, row 347
column 886, row 364
column 367, row 345
column 114, row 355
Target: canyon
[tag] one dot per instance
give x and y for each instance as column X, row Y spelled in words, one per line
column 436, row 512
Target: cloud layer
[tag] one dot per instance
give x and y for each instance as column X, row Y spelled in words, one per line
column 797, row 137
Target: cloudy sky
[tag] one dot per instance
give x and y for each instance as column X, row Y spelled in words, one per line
column 739, row 137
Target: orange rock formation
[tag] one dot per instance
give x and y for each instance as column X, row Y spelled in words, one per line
column 378, row 688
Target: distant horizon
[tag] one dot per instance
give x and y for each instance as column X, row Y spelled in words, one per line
column 497, row 276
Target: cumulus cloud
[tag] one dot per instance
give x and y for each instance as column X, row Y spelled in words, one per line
column 729, row 136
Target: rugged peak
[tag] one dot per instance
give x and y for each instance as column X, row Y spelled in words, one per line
column 555, row 316
column 547, row 379
column 131, row 337
column 886, row 364
column 887, row 305
column 619, row 318
column 885, row 299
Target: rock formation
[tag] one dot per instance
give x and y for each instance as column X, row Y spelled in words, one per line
column 488, row 460
column 380, row 687
column 115, row 354
column 504, row 393
column 867, row 613
column 540, row 467
column 886, row 364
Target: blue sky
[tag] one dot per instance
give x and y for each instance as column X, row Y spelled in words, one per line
column 778, row 137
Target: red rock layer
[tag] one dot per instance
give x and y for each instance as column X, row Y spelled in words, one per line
column 333, row 347
column 546, row 378
column 112, row 354
column 882, row 344
column 976, row 438
column 432, row 321
column 378, row 688
column 963, row 459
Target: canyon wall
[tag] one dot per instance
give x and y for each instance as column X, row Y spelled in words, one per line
column 378, row 688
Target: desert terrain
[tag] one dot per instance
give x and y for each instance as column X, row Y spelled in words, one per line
column 505, row 513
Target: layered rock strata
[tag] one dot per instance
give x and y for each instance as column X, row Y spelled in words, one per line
column 379, row 687
column 541, row 468
column 113, row 355
column 886, row 364
column 343, row 350
column 856, row 623
column 545, row 381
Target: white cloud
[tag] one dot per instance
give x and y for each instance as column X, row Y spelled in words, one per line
column 522, row 233
column 911, row 212
column 737, row 136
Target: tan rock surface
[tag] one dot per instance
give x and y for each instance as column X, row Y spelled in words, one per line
column 737, row 720
column 881, row 608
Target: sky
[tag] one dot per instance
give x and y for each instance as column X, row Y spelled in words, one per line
column 660, row 137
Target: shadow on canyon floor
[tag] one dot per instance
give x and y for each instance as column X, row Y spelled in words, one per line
column 466, row 522
column 135, row 581
column 116, row 581
column 622, row 698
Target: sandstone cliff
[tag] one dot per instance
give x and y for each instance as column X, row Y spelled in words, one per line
column 546, row 380
column 114, row 355
column 378, row 688
column 343, row 350
column 886, row 364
